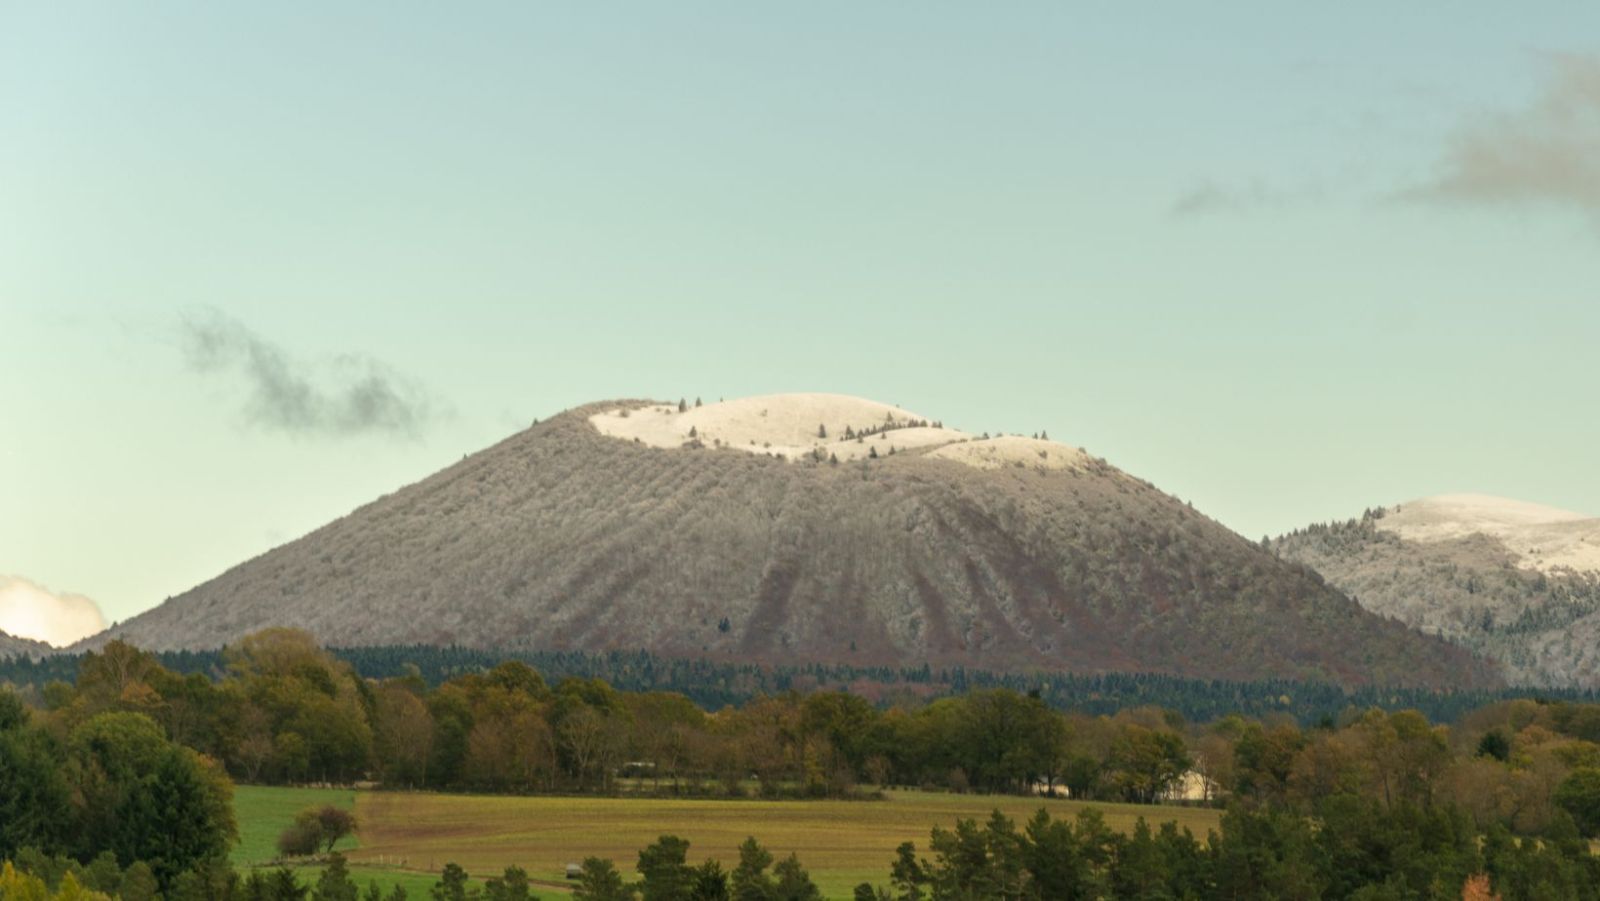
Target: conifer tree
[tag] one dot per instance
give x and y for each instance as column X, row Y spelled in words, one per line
column 452, row 884
column 600, row 881
column 335, row 883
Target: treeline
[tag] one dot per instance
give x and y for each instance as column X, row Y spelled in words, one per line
column 713, row 684
column 664, row 875
column 1352, row 848
column 286, row 711
column 33, row 876
column 124, row 770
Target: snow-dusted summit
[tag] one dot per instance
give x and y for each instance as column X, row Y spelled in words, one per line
column 1542, row 538
column 827, row 427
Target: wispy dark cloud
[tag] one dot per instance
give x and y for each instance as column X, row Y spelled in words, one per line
column 1211, row 198
column 348, row 395
column 1548, row 152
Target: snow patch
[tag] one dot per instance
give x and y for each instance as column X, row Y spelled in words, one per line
column 787, row 425
column 797, row 426
column 1014, row 450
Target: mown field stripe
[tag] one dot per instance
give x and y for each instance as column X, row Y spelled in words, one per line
column 841, row 843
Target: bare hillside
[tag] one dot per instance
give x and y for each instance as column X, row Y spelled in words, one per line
column 1510, row 580
column 664, row 529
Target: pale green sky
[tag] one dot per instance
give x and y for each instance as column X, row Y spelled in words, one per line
column 1284, row 260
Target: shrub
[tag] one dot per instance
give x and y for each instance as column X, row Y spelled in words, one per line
column 302, row 839
column 316, row 829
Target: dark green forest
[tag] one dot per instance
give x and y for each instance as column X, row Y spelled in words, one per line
column 713, row 684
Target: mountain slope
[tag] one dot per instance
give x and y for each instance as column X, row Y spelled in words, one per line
column 12, row 646
column 639, row 525
column 1514, row 581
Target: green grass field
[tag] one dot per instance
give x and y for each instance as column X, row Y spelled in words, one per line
column 263, row 813
column 407, row 837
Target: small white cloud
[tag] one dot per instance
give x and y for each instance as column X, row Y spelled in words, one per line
column 29, row 610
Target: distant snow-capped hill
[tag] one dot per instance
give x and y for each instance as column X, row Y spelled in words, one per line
column 1516, row 581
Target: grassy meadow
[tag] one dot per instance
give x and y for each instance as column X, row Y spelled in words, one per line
column 264, row 812
column 407, row 837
